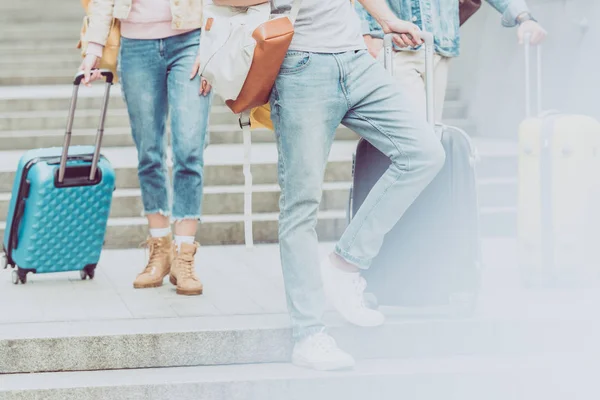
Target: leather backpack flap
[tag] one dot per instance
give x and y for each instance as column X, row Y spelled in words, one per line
column 273, row 39
column 467, row 8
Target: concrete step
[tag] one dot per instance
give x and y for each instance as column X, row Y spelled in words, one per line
column 68, row 16
column 57, row 98
column 152, row 343
column 41, row 46
column 30, row 120
column 229, row 199
column 498, row 192
column 31, row 77
column 40, row 31
column 67, row 62
column 499, row 221
column 218, row 200
column 222, row 229
column 223, row 222
column 223, row 163
column 60, row 102
column 88, row 118
column 120, row 137
column 459, row 378
column 46, row 101
column 127, row 233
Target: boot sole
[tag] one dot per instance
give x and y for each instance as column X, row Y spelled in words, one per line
column 189, row 292
column 148, row 285
column 184, row 292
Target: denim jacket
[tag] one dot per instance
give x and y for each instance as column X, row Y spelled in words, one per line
column 439, row 17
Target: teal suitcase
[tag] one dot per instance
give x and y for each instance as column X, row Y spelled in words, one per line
column 60, row 203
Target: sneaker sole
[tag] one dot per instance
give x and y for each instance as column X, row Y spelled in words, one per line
column 324, row 366
column 357, row 323
column 351, row 320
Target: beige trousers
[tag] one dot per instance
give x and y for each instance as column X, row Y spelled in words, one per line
column 409, row 70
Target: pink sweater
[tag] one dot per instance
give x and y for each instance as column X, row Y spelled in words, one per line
column 148, row 19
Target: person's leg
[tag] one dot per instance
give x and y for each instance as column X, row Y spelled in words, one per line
column 189, row 111
column 440, row 85
column 409, row 71
column 390, row 120
column 143, row 75
column 306, row 108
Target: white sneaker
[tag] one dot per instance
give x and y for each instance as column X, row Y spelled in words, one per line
column 346, row 292
column 320, row 352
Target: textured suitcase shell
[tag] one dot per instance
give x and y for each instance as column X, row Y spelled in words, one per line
column 62, row 229
column 432, row 256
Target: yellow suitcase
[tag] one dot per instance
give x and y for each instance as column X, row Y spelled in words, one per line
column 559, row 196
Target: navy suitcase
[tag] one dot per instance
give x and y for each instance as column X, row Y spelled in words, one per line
column 60, row 203
column 431, row 258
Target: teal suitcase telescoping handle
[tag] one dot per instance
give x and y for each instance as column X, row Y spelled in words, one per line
column 109, row 77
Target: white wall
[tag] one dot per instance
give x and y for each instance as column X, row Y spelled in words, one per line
column 490, row 69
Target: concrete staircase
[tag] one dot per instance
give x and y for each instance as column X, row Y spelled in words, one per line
column 257, row 369
column 63, row 338
column 35, row 88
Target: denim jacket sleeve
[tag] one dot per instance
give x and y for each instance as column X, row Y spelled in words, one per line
column 369, row 25
column 510, row 10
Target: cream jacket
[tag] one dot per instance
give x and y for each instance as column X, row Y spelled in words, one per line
column 187, row 14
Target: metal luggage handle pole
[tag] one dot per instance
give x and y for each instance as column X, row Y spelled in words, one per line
column 429, row 77
column 527, row 48
column 429, row 84
column 98, row 142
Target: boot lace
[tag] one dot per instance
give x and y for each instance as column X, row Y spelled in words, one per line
column 185, row 262
column 154, row 251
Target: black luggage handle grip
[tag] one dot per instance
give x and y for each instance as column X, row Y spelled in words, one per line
column 67, row 139
column 107, row 74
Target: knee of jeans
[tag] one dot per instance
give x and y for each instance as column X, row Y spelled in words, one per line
column 150, row 160
column 428, row 155
column 302, row 201
column 190, row 159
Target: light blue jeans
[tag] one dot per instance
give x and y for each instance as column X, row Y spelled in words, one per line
column 313, row 94
column 155, row 78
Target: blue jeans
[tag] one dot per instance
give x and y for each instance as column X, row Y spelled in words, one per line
column 313, row 94
column 155, row 78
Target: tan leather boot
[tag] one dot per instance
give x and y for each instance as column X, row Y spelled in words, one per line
column 159, row 263
column 183, row 272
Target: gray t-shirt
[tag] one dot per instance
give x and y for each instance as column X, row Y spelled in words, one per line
column 325, row 26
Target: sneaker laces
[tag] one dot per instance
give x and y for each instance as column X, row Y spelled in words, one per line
column 323, row 343
column 359, row 284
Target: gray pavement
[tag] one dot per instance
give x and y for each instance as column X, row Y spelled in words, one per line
column 248, row 282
